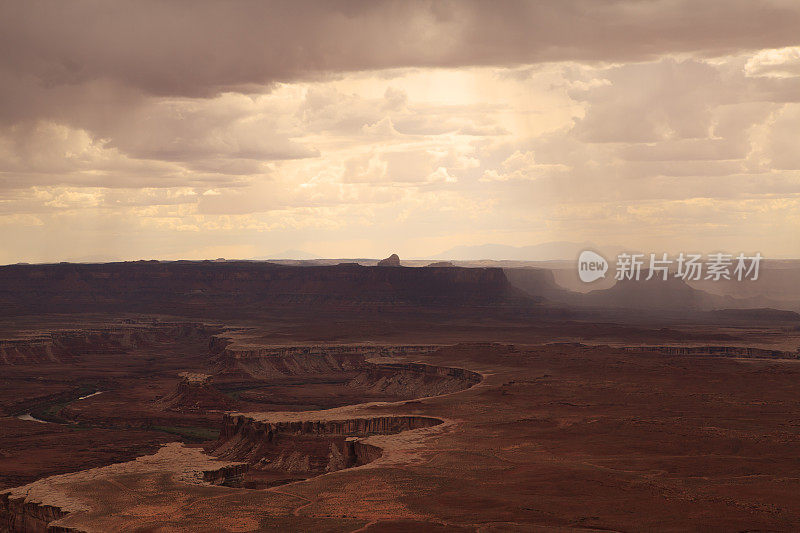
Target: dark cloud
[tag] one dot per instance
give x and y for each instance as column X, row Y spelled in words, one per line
column 199, row 48
column 232, row 122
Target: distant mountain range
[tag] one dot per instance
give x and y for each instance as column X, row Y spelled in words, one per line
column 548, row 251
column 288, row 254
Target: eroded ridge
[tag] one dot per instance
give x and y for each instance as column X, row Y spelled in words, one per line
column 281, row 447
column 368, row 369
column 64, row 346
column 413, row 380
column 262, row 361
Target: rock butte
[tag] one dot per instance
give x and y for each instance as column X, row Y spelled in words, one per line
column 393, row 261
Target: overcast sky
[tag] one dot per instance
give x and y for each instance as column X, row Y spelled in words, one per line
column 355, row 129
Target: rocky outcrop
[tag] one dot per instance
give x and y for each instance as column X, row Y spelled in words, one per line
column 262, row 364
column 307, row 447
column 391, row 261
column 195, row 394
column 65, row 345
column 413, row 380
column 21, row 514
column 355, row 452
column 401, row 380
column 227, row 475
column 440, row 264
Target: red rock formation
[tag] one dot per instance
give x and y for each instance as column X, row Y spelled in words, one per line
column 234, row 426
column 20, row 514
column 306, row 447
column 195, row 394
column 66, row 345
column 718, row 351
column 274, row 361
column 227, row 475
column 413, row 380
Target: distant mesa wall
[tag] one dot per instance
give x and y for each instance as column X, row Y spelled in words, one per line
column 539, row 283
column 718, row 351
column 240, row 288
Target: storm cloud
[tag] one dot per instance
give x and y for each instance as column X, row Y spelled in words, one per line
column 192, row 129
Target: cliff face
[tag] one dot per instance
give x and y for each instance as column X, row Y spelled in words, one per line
column 239, row 288
column 306, row 447
column 413, row 380
column 227, row 475
column 400, row 380
column 33, row 507
column 719, row 351
column 195, row 393
column 263, row 363
column 242, row 426
column 274, row 361
column 64, row 346
column 20, row 514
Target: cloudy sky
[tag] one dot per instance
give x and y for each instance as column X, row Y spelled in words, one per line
column 355, row 129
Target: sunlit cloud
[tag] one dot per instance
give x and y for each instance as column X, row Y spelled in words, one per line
column 489, row 125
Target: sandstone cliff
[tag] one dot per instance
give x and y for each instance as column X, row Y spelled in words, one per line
column 195, row 393
column 719, row 351
column 413, row 380
column 65, row 345
column 305, row 447
column 261, row 361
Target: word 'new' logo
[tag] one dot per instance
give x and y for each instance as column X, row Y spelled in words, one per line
column 591, row 266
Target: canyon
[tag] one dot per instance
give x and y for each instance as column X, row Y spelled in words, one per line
column 262, row 455
column 345, row 398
